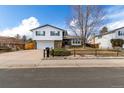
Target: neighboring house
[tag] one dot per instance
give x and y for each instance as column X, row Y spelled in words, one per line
column 71, row 41
column 104, row 40
column 53, row 37
column 11, row 42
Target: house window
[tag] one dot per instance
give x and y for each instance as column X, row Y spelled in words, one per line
column 55, row 33
column 76, row 41
column 119, row 33
column 99, row 37
column 40, row 33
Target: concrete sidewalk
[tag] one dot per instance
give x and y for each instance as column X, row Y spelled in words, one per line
column 66, row 63
column 82, row 63
column 34, row 59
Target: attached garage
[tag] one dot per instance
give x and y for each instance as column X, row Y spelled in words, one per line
column 42, row 44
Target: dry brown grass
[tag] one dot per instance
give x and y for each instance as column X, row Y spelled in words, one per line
column 97, row 52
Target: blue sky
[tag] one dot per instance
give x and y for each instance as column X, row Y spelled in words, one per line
column 12, row 15
column 14, row 19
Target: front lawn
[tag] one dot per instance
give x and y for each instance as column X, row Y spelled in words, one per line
column 96, row 52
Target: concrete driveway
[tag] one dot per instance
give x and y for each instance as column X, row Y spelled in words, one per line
column 21, row 58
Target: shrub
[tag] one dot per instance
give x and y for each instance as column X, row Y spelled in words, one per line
column 117, row 42
column 60, row 52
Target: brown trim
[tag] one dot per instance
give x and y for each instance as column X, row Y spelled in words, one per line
column 47, row 25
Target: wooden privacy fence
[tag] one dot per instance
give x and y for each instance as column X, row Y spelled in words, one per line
column 96, row 52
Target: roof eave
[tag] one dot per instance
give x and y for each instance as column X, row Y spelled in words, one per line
column 47, row 25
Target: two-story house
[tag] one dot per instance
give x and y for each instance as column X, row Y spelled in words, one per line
column 48, row 36
column 104, row 40
column 53, row 37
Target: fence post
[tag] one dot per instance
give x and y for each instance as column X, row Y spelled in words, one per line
column 74, row 51
column 117, row 52
column 95, row 52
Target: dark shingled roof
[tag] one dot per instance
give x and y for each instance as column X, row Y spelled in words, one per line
column 47, row 25
column 109, row 32
column 72, row 37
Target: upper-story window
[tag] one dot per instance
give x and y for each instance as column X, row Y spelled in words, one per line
column 55, row 33
column 40, row 33
column 119, row 33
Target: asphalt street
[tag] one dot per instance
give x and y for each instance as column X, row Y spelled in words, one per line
column 62, row 78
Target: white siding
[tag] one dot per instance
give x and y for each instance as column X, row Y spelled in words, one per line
column 47, row 36
column 41, row 44
column 105, row 40
column 117, row 36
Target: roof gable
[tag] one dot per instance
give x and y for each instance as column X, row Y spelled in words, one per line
column 47, row 25
column 110, row 32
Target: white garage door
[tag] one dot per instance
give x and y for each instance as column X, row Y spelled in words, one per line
column 44, row 44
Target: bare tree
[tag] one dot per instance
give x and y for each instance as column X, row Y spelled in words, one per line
column 86, row 19
column 24, row 38
column 17, row 36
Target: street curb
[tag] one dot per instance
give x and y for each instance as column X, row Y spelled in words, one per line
column 83, row 58
column 61, row 67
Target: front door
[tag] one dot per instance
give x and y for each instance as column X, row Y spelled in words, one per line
column 58, row 44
